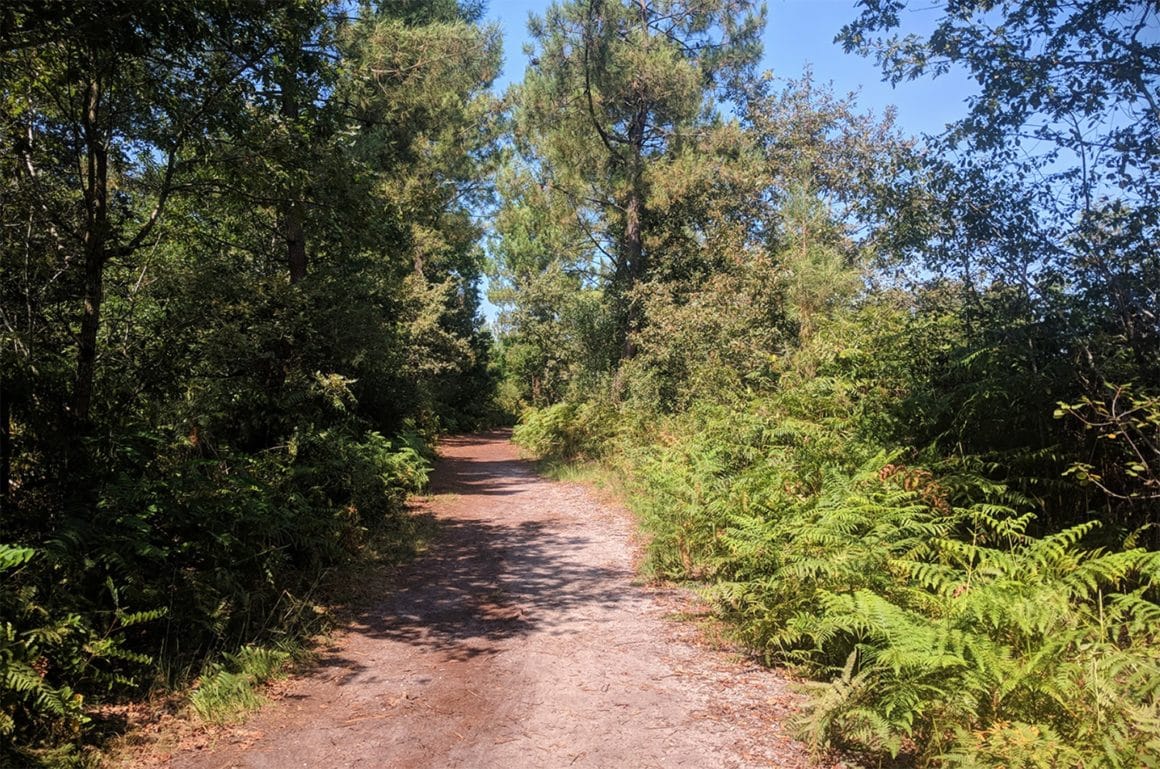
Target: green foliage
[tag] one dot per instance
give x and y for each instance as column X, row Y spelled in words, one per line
column 1127, row 428
column 227, row 690
column 619, row 151
column 967, row 639
column 948, row 624
column 27, row 637
column 1044, row 231
column 45, row 653
column 567, row 430
column 949, row 632
column 235, row 282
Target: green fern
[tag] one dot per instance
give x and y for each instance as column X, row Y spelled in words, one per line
column 230, row 689
column 945, row 628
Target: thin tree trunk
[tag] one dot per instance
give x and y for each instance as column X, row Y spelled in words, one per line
column 292, row 214
column 633, row 254
column 5, row 443
column 295, row 240
column 96, row 253
column 87, row 341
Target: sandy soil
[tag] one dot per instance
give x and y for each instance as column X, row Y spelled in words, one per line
column 521, row 639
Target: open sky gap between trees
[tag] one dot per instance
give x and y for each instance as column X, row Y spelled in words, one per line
column 894, row 403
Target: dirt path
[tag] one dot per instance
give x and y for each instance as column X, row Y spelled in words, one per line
column 522, row 639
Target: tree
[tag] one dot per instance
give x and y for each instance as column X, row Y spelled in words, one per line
column 615, row 91
column 1056, row 153
column 817, row 195
column 104, row 106
column 1047, row 207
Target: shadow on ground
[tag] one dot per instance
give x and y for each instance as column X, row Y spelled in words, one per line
column 499, row 569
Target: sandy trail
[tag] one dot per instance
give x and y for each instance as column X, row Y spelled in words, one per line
column 521, row 639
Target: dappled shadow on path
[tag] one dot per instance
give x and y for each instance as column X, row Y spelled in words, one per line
column 470, row 465
column 503, row 566
column 482, row 477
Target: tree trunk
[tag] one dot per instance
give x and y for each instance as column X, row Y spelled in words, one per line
column 295, row 240
column 5, row 443
column 632, row 253
column 96, row 235
column 634, row 269
column 87, row 340
column 292, row 214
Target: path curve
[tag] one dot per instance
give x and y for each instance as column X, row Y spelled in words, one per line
column 521, row 639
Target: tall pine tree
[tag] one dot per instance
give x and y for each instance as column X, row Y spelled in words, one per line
column 617, row 91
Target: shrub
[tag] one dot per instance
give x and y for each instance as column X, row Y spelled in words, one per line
column 49, row 656
column 944, row 624
column 940, row 627
column 567, row 430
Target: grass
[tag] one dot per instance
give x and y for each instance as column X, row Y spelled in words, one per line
column 595, row 474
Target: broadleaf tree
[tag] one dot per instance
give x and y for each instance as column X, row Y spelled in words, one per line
column 1052, row 170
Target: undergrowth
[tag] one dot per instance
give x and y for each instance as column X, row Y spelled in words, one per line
column 230, row 688
column 939, row 625
column 250, row 546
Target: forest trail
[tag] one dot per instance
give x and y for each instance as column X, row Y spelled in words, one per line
column 521, row 639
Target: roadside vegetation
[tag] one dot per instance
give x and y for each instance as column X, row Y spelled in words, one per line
column 894, row 404
column 237, row 300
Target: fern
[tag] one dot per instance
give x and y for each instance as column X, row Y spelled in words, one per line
column 229, row 689
column 942, row 625
column 12, row 557
column 945, row 627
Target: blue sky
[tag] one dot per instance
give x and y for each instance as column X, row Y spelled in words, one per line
column 799, row 32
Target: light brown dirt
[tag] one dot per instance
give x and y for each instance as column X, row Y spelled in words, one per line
column 521, row 639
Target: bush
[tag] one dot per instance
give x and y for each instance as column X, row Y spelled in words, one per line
column 568, row 430
column 48, row 655
column 940, row 627
column 190, row 550
column 944, row 623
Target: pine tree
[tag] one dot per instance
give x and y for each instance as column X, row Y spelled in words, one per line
column 615, row 92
